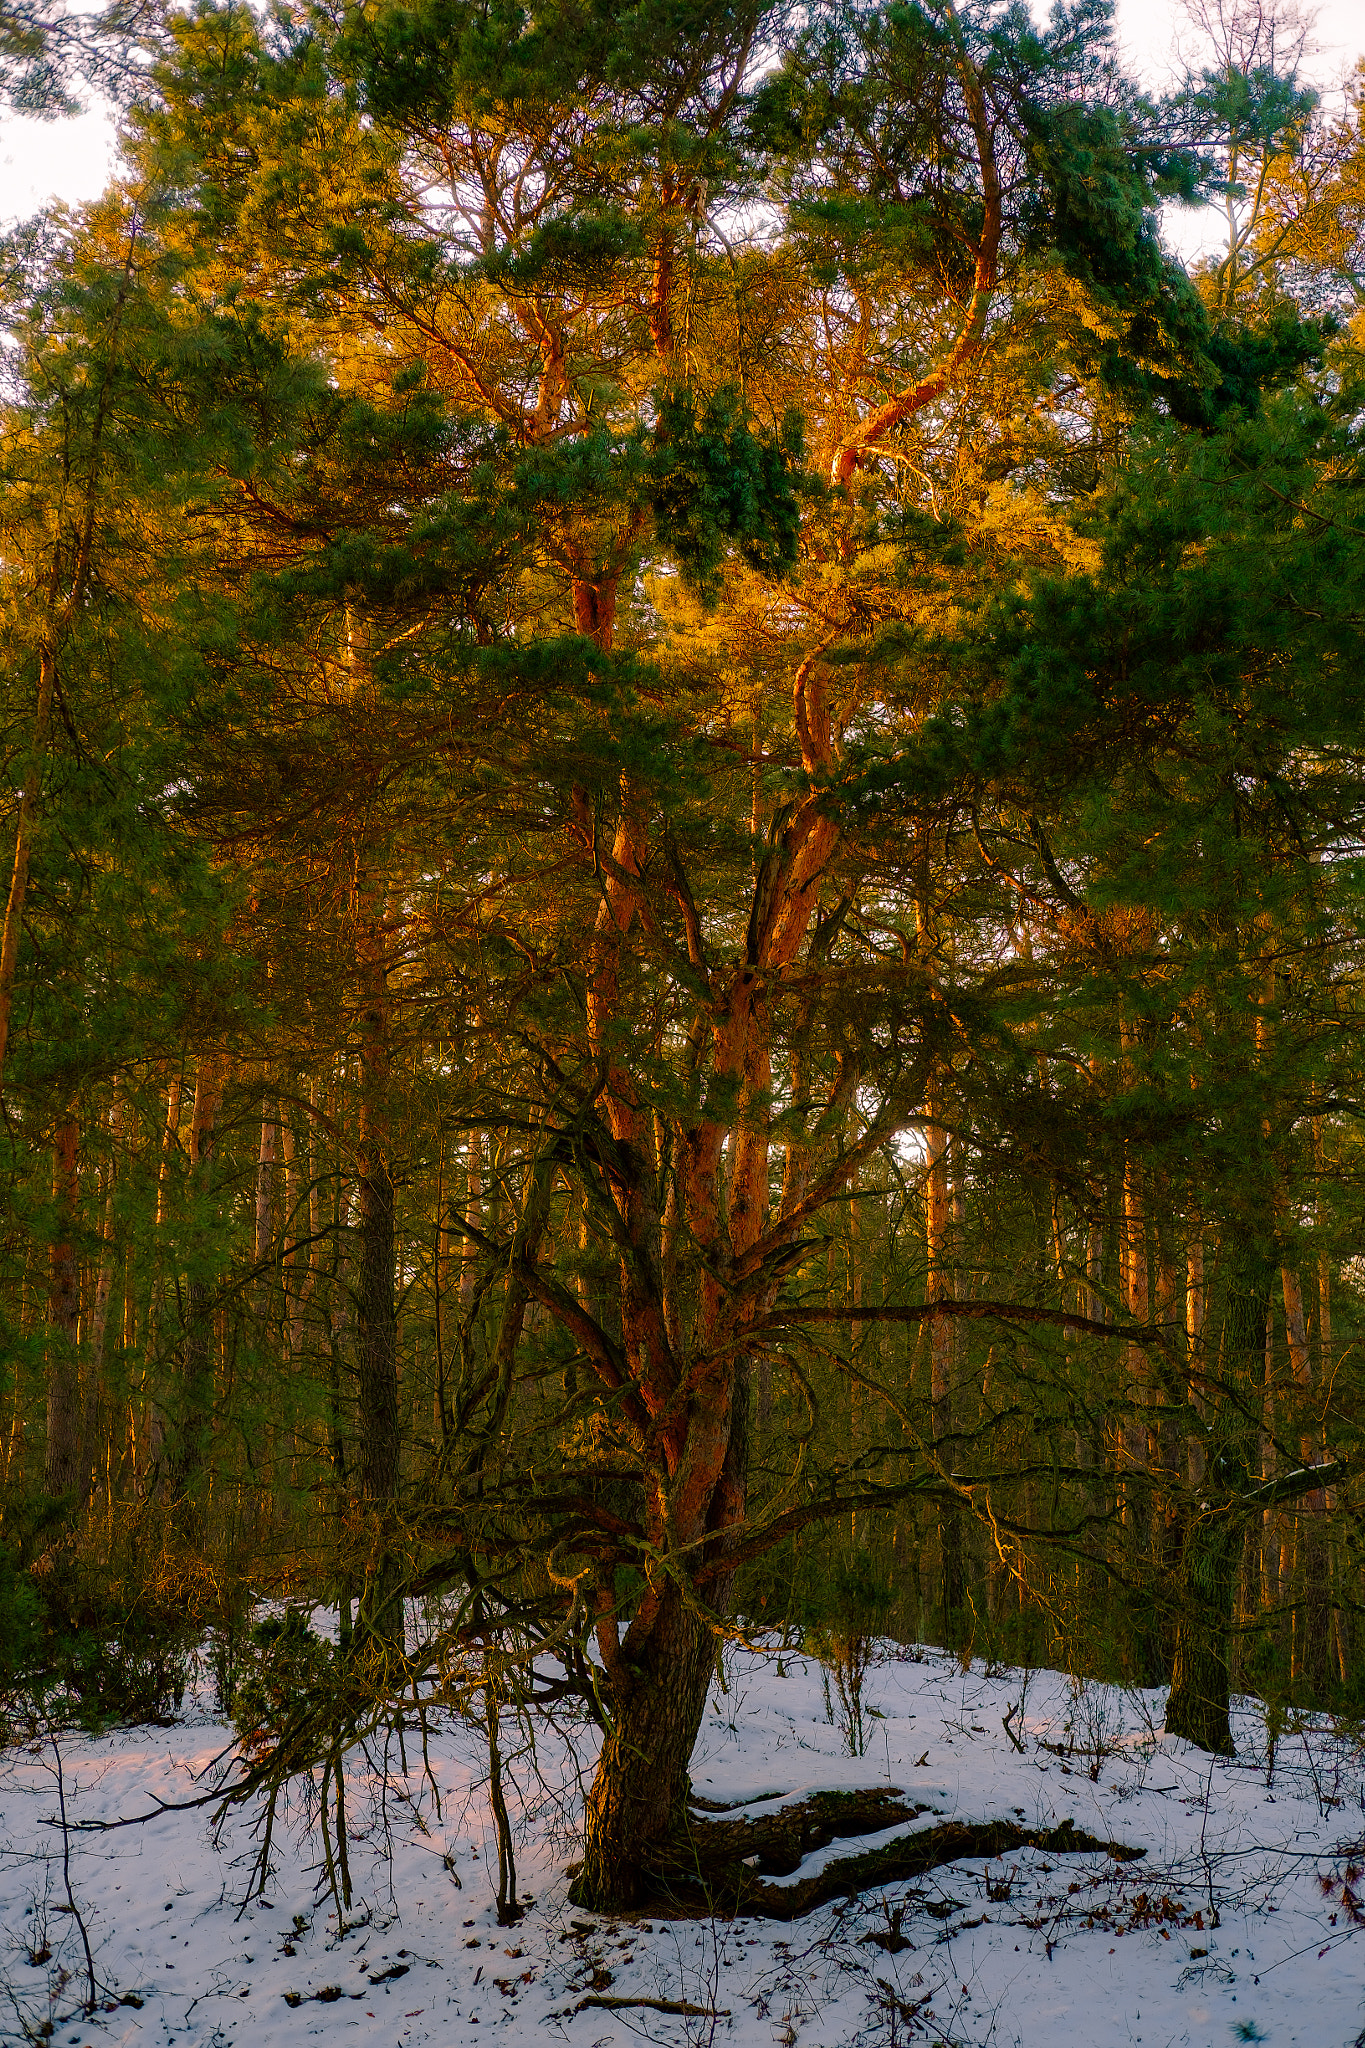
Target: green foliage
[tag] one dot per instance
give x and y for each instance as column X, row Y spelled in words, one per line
column 718, row 485
column 22, row 1636
column 842, row 1611
column 89, row 1647
column 573, row 254
column 284, row 1671
column 125, row 1666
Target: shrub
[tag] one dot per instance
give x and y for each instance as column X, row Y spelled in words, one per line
column 285, row 1670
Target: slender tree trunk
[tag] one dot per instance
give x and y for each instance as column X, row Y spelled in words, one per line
column 1318, row 1619
column 62, row 1462
column 34, row 769
column 1137, row 1506
column 1200, row 1680
column 335, row 1325
column 169, row 1140
column 1196, row 1317
column 939, row 1287
column 1311, row 1628
column 1164, row 1445
column 377, row 1428
column 938, row 1221
column 293, row 1251
column 146, row 1456
column 1270, row 1532
column 98, row 1447
column 263, row 1235
column 195, row 1421
column 469, row 1256
column 317, row 1246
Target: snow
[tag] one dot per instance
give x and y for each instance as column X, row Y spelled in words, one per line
column 1231, row 1927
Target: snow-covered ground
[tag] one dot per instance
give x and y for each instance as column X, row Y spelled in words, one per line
column 1238, row 1923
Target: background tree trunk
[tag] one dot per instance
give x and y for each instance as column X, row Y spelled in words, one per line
column 377, row 1429
column 62, row 1460
column 1201, row 1679
column 194, row 1422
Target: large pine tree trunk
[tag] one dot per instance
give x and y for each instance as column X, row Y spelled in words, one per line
column 637, row 1801
column 682, row 1369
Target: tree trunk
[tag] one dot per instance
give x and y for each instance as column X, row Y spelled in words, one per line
column 293, row 1251
column 939, row 1287
column 190, row 1449
column 638, row 1797
column 942, row 1334
column 1311, row 1627
column 62, row 1463
column 23, row 839
column 381, row 1603
column 1133, row 1278
column 263, row 1235
column 1197, row 1708
column 97, row 1447
column 147, row 1454
column 679, row 1376
column 1164, row 1446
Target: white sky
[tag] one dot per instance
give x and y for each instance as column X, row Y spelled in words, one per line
column 42, row 160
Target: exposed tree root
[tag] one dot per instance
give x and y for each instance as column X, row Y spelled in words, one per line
column 774, row 1844
column 722, row 1866
column 679, row 2006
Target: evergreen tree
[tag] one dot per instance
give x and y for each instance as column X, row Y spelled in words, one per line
column 685, row 877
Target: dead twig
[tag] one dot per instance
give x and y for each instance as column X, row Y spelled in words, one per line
column 92, row 1991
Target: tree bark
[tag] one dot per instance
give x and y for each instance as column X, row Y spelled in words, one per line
column 1197, row 1708
column 97, row 1418
column 942, row 1347
column 377, row 1432
column 678, row 1377
column 1311, row 1627
column 62, row 1460
column 195, row 1419
column 1137, row 1501
column 293, row 1251
column 263, row 1234
column 147, row 1455
column 23, row 839
column 640, row 1788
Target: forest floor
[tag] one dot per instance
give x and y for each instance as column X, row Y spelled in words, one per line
column 1238, row 1922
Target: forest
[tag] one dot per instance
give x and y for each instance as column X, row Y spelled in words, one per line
column 682, row 742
